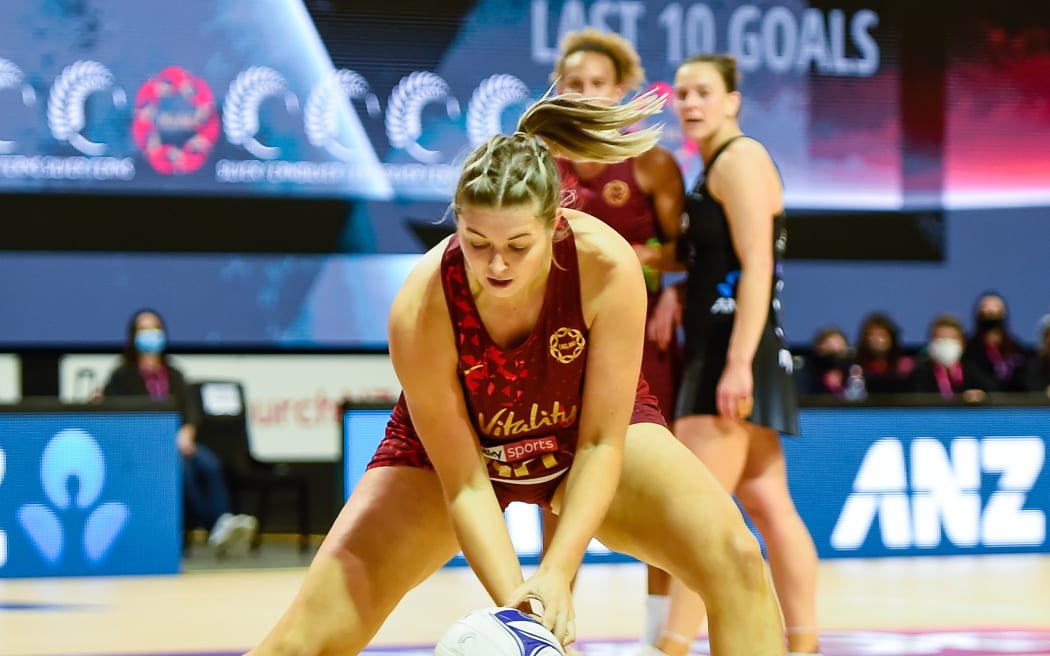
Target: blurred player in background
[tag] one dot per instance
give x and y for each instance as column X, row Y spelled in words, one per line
column 641, row 198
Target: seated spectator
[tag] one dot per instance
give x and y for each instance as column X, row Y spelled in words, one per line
column 1037, row 377
column 992, row 349
column 885, row 368
column 828, row 363
column 944, row 371
column 145, row 370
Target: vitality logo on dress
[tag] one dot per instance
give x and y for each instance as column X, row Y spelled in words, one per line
column 505, row 423
column 73, row 456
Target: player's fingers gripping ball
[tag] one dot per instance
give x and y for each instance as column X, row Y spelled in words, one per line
column 498, row 632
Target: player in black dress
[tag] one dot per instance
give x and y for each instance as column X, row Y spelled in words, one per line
column 737, row 393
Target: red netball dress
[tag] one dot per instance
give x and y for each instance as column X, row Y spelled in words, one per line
column 524, row 402
column 615, row 197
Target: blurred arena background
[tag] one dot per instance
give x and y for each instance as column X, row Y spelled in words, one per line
column 266, row 172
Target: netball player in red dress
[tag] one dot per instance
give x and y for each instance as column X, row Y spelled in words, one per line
column 518, row 344
column 642, row 199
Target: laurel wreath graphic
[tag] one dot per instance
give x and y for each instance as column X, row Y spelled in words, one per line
column 11, row 77
column 69, row 94
column 404, row 123
column 486, row 106
column 10, row 74
column 322, row 119
column 240, row 108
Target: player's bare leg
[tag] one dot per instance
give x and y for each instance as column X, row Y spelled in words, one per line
column 393, row 533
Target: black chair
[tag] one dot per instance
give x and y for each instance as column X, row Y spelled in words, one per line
column 220, row 409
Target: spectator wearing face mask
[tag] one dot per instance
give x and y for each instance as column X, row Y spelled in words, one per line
column 992, row 349
column 944, row 371
column 885, row 369
column 1038, row 373
column 145, row 370
column 828, row 363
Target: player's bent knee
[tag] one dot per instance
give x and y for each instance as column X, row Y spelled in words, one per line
column 740, row 564
column 748, row 555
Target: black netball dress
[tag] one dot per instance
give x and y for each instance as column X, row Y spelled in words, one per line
column 710, row 310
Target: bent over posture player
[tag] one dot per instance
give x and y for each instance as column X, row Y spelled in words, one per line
column 518, row 344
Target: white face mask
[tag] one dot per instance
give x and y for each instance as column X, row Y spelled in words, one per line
column 945, row 351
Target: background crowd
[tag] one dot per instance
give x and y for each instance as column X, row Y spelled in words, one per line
column 955, row 359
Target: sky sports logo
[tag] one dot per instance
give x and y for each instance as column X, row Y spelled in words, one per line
column 517, row 451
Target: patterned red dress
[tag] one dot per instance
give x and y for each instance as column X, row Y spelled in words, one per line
column 524, row 402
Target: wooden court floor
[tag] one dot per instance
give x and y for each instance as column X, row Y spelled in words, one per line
column 958, row 606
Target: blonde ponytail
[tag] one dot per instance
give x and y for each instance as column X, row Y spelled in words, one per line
column 519, row 169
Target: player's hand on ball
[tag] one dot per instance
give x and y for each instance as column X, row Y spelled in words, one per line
column 551, row 593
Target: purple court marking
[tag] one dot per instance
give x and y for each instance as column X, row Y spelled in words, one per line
column 946, row 642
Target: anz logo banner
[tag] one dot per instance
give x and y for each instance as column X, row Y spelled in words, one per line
column 869, row 481
column 922, row 481
column 85, row 494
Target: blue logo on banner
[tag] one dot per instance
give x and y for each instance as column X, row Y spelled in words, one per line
column 73, row 462
column 873, row 482
column 89, row 493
